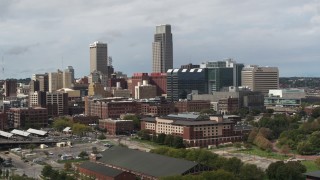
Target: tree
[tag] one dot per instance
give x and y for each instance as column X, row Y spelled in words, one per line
column 291, row 170
column 31, row 147
column 247, row 146
column 83, row 154
column 219, row 174
column 61, row 123
column 102, row 136
column 178, row 142
column 144, row 134
column 46, row 171
column 233, row 165
column 285, row 149
column 80, row 129
column 54, row 174
column 161, row 138
column 252, row 135
column 169, row 140
column 316, row 112
column 67, row 166
column 135, row 119
column 251, row 172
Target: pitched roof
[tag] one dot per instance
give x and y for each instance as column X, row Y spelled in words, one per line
column 38, row 132
column 101, row 169
column 147, row 163
column 313, row 174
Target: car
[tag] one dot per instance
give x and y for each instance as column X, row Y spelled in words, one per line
column 50, row 153
column 41, row 139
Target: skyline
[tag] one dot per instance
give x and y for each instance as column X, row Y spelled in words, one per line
column 46, row 37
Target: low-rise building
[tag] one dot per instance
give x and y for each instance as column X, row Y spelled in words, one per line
column 196, row 130
column 28, row 117
column 116, row 127
column 191, row 106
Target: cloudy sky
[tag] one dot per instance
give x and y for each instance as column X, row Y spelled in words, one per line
column 39, row 36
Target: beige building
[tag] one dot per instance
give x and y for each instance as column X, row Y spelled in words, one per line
column 99, row 57
column 96, row 89
column 162, row 50
column 260, row 78
column 67, row 79
column 145, row 91
column 59, row 79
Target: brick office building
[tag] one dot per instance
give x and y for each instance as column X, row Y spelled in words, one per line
column 116, row 127
column 191, row 106
column 28, row 117
column 196, row 130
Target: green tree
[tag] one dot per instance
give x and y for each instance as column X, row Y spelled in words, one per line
column 46, row 171
column 144, row 135
column 251, row 172
column 219, row 174
column 305, row 148
column 292, row 170
column 169, row 140
column 161, row 138
column 178, row 142
column 315, row 112
column 135, row 119
column 31, row 147
column 83, row 154
column 61, row 123
column 54, row 174
column 233, row 165
column 237, row 145
column 80, row 129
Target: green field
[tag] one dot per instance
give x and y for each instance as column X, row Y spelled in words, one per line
column 310, row 165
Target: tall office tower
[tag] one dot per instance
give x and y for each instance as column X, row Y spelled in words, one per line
column 43, row 81
column 99, row 57
column 71, row 71
column 10, row 88
column 55, row 81
column 66, row 79
column 57, row 103
column 34, row 86
column 260, row 78
column 222, row 74
column 162, row 49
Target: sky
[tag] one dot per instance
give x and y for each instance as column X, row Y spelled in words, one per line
column 39, row 36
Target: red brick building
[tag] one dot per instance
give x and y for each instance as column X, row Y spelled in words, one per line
column 109, row 107
column 196, row 130
column 156, row 109
column 101, row 172
column 135, row 79
column 28, row 117
column 228, row 105
column 116, row 127
column 160, row 81
column 191, row 106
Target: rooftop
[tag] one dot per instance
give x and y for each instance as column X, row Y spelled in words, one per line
column 101, row 169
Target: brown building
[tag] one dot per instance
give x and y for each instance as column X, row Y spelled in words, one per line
column 113, row 81
column 145, row 91
column 135, row 79
column 156, row 108
column 160, row 81
column 28, row 117
column 57, row 104
column 116, row 127
column 3, row 121
column 109, row 107
column 10, row 88
column 228, row 105
column 191, row 106
column 196, row 130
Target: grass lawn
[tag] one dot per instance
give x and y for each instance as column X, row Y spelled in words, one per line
column 310, row 165
column 153, row 144
column 258, row 152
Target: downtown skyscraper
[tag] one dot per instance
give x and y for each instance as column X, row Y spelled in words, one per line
column 162, row 49
column 99, row 57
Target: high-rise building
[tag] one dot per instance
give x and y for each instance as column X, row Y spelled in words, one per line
column 10, row 88
column 43, row 81
column 162, row 49
column 57, row 104
column 181, row 82
column 55, row 81
column 71, row 71
column 99, row 57
column 223, row 74
column 260, row 78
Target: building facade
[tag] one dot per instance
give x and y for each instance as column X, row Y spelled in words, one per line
column 57, row 104
column 116, row 127
column 99, row 57
column 191, row 106
column 196, row 130
column 162, row 49
column 28, row 117
column 260, row 78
